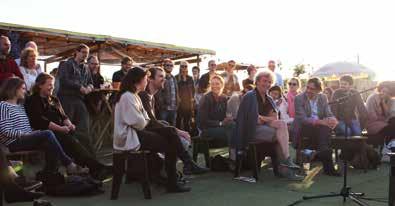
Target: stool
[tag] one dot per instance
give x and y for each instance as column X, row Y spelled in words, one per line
column 391, row 190
column 119, row 162
column 256, row 153
column 201, row 145
column 1, row 195
column 339, row 143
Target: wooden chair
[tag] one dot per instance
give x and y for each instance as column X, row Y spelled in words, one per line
column 256, row 153
column 119, row 165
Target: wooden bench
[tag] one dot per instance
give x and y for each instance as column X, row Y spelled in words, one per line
column 120, row 161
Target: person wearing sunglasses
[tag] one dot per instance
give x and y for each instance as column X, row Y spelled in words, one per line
column 168, row 97
column 231, row 80
column 186, row 91
column 314, row 119
column 293, row 90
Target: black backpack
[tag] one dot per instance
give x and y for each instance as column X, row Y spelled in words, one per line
column 56, row 184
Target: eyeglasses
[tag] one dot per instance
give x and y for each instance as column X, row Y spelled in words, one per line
column 311, row 88
column 292, row 84
column 168, row 65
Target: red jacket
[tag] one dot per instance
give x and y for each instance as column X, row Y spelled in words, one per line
column 8, row 68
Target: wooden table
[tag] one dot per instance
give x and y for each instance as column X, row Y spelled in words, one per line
column 103, row 128
column 391, row 190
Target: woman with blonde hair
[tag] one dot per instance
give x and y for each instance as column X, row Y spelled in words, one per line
column 213, row 119
column 29, row 67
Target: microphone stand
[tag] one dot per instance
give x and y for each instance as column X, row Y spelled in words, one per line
column 345, row 191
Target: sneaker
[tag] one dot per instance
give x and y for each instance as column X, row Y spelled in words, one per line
column 26, row 184
column 178, row 189
column 290, row 174
column 289, row 163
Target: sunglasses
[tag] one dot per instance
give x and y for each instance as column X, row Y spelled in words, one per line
column 292, row 84
column 213, row 64
column 168, row 65
column 183, row 66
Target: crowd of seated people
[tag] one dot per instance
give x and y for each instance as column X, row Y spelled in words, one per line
column 156, row 111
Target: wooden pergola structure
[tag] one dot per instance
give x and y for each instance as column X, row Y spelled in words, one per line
column 57, row 45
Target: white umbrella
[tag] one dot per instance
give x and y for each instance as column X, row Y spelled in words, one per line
column 343, row 68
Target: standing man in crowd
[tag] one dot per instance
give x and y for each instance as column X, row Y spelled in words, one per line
column 196, row 76
column 251, row 70
column 231, row 80
column 126, row 65
column 168, row 98
column 186, row 92
column 75, row 82
column 204, row 82
column 8, row 66
column 279, row 79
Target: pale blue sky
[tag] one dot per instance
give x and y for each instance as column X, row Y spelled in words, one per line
column 310, row 32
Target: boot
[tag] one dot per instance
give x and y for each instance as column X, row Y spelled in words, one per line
column 14, row 193
column 190, row 167
column 178, row 188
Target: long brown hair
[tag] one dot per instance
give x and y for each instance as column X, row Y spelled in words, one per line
column 40, row 80
column 9, row 87
column 128, row 84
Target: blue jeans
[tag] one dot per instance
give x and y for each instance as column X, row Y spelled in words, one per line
column 169, row 116
column 44, row 141
column 353, row 130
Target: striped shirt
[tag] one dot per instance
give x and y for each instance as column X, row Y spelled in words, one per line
column 13, row 122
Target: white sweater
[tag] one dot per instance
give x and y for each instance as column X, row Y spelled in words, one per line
column 283, row 108
column 129, row 116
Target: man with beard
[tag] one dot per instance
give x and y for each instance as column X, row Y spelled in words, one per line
column 167, row 97
column 75, row 82
column 155, row 83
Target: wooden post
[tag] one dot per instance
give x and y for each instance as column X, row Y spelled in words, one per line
column 197, row 62
column 98, row 54
column 45, row 66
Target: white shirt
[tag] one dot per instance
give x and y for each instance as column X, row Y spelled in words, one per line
column 129, row 116
column 283, row 108
column 30, row 75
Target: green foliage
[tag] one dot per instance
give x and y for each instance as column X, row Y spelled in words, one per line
column 299, row 69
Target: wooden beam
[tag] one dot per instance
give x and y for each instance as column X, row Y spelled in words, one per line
column 176, row 58
column 68, row 52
